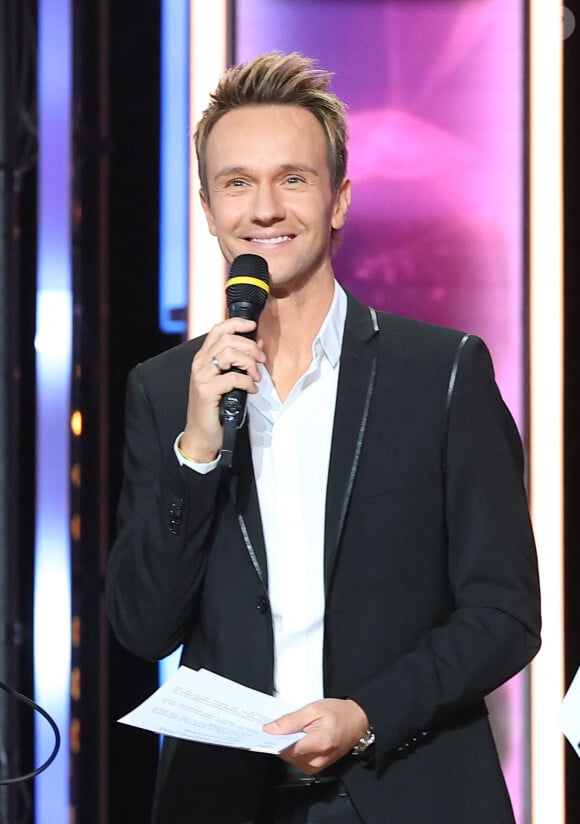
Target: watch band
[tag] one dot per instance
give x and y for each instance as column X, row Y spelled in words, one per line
column 364, row 743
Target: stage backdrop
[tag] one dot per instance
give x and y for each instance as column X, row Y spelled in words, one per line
column 435, row 93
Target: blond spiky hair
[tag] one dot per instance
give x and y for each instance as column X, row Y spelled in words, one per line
column 279, row 79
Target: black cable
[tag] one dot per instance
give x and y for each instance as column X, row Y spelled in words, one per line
column 30, row 703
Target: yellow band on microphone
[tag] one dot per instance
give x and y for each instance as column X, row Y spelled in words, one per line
column 244, row 279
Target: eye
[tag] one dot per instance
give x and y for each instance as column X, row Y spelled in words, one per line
column 236, row 183
column 294, row 180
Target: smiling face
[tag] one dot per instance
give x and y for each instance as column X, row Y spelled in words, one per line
column 270, row 194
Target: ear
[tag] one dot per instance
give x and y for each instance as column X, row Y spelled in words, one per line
column 208, row 213
column 341, row 204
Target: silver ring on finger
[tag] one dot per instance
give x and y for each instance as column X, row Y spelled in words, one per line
column 216, row 363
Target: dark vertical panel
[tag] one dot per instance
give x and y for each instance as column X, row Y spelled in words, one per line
column 8, row 411
column 16, row 397
column 572, row 383
column 134, row 336
column 89, row 450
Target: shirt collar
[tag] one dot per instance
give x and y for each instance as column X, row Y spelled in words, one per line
column 328, row 342
column 330, row 334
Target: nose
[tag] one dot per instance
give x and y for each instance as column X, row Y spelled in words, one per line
column 267, row 205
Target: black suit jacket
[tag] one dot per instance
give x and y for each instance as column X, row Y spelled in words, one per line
column 431, row 581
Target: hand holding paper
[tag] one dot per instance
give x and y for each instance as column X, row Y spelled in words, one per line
column 199, row 705
column 332, row 725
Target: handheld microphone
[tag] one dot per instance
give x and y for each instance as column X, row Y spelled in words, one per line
column 247, row 290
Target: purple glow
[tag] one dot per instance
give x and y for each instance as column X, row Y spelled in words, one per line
column 52, row 608
column 435, row 95
column 174, row 161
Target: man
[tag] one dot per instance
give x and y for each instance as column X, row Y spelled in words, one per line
column 369, row 557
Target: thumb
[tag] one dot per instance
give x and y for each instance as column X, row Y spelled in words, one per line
column 283, row 725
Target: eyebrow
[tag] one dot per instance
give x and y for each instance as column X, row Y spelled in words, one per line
column 285, row 167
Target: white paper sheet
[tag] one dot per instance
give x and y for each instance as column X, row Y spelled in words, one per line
column 199, row 705
column 570, row 713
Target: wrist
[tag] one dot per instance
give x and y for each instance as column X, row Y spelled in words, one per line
column 193, row 454
column 366, row 733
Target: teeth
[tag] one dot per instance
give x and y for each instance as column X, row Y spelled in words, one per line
column 271, row 239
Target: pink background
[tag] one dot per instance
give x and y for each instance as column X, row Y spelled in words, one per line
column 435, row 92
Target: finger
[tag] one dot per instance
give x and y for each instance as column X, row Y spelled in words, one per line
column 283, row 725
column 313, row 744
column 212, row 391
column 231, row 326
column 292, row 721
column 236, row 380
column 309, row 762
column 232, row 357
column 235, row 343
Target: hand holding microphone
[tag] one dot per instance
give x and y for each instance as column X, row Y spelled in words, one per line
column 225, row 368
column 247, row 290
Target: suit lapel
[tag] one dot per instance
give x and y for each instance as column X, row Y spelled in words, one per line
column 247, row 508
column 354, row 392
column 358, row 366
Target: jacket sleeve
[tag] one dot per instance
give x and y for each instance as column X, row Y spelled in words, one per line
column 165, row 516
column 493, row 628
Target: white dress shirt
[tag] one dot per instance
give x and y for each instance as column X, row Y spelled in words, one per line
column 290, row 445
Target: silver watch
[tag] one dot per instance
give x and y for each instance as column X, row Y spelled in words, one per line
column 364, row 743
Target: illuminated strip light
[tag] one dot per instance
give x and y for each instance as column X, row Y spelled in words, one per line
column 174, row 152
column 206, row 295
column 208, row 60
column 52, row 593
column 546, row 402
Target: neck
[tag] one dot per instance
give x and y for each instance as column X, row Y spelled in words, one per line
column 291, row 322
column 288, row 326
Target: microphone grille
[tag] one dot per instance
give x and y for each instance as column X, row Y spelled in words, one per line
column 249, row 281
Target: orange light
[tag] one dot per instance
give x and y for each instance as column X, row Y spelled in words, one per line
column 75, row 684
column 76, row 631
column 75, row 527
column 75, row 736
column 75, row 475
column 76, row 423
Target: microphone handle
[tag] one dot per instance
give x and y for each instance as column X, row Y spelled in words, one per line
column 233, row 403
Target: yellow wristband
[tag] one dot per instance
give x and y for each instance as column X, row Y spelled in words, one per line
column 189, row 458
column 184, row 456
